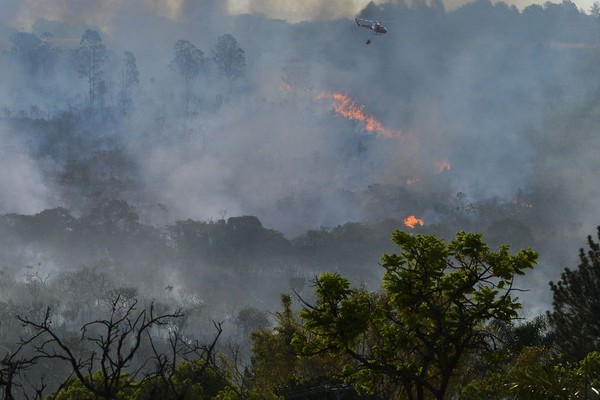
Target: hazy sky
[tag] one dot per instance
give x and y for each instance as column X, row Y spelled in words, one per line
column 22, row 13
column 294, row 10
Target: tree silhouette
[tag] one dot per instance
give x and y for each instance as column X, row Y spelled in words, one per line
column 36, row 54
column 89, row 59
column 130, row 79
column 229, row 57
column 188, row 61
column 108, row 367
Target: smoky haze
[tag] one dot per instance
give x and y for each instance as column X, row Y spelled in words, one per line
column 495, row 110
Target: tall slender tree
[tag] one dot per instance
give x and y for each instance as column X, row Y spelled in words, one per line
column 188, row 61
column 130, row 78
column 89, row 59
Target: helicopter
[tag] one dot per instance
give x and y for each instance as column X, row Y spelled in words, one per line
column 375, row 26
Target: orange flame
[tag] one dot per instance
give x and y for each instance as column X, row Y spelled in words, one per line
column 413, row 221
column 444, row 166
column 412, row 181
column 347, row 108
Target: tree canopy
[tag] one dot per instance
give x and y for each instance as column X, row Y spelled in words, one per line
column 229, row 57
column 436, row 303
column 188, row 61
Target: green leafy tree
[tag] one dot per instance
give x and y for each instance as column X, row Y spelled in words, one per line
column 576, row 305
column 434, row 311
column 276, row 368
column 534, row 332
column 229, row 57
column 538, row 374
column 74, row 389
column 487, row 376
column 274, row 359
column 191, row 380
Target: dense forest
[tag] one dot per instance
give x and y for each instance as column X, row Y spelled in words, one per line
column 196, row 205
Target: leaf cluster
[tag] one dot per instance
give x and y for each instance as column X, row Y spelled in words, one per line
column 436, row 302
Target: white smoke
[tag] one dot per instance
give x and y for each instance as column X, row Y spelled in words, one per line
column 23, row 188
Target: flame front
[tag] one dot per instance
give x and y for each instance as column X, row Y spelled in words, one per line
column 413, row 221
column 347, row 108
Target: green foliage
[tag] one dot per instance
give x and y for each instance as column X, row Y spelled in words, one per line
column 436, row 304
column 339, row 317
column 276, row 368
column 576, row 305
column 266, row 343
column 229, row 394
column 515, row 337
column 75, row 390
column 191, row 381
column 537, row 374
column 274, row 360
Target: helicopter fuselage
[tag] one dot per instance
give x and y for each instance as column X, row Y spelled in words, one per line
column 378, row 29
column 375, row 26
